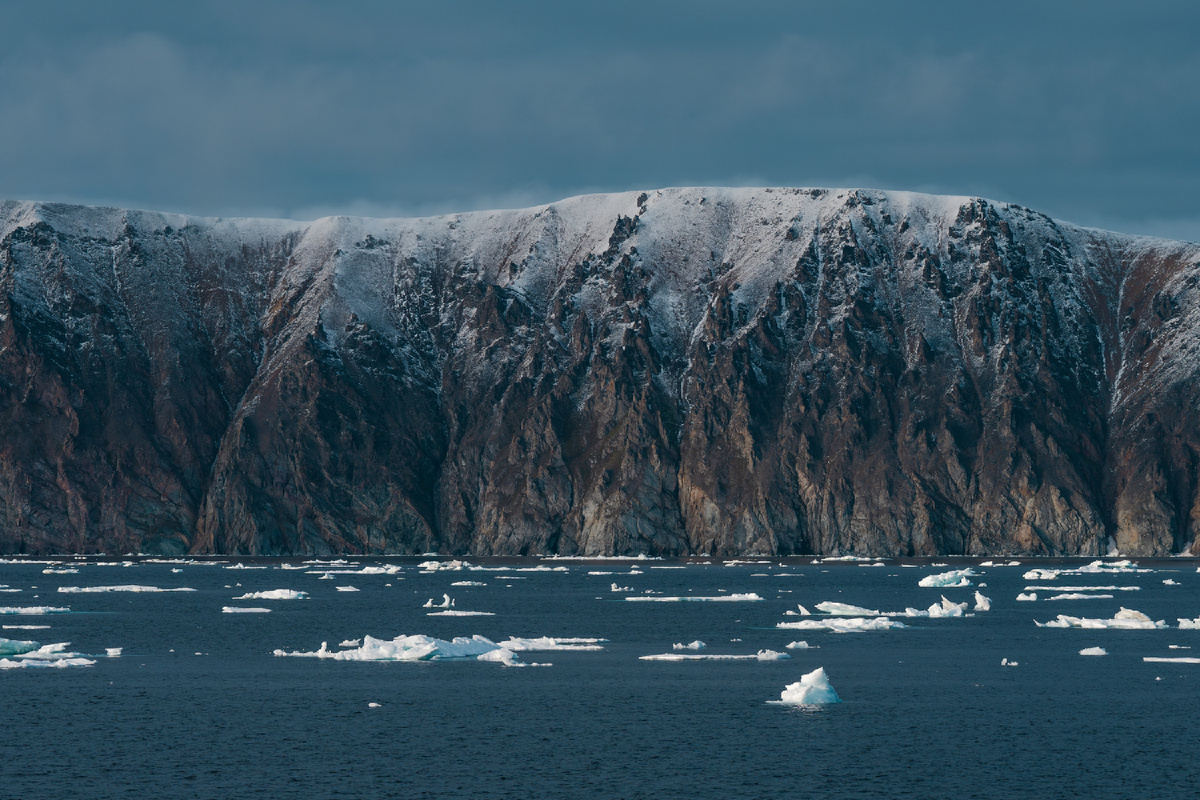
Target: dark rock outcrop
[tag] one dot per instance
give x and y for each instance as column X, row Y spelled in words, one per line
column 676, row 372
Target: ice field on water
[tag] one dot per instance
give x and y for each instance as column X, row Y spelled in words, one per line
column 422, row 677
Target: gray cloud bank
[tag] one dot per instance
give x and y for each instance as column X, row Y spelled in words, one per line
column 1085, row 111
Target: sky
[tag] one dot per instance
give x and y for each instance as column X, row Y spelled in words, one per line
column 1089, row 112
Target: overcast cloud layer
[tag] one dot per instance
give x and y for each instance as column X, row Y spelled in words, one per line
column 1086, row 111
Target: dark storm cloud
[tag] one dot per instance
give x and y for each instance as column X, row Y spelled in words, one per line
column 1086, row 112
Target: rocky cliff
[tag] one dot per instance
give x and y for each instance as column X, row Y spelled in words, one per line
column 686, row 371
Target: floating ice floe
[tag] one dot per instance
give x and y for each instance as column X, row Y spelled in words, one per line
column 812, row 689
column 388, row 570
column 546, row 643
column 347, row 589
column 274, row 594
column 46, row 656
column 761, row 655
column 1170, row 582
column 800, row 646
column 416, row 648
column 244, row 610
column 132, row 588
column 1038, row 588
column 447, row 602
column 1125, row 619
column 1004, row 662
column 982, row 603
column 725, row 598
column 1174, row 660
column 1094, row 568
column 468, row 583
column 24, row 627
column 1189, row 624
column 939, row 610
column 1093, row 651
column 454, row 612
column 617, row 588
column 1027, row 596
column 845, row 610
column 843, row 624
column 14, row 647
column 955, row 578
column 1078, row 596
column 1006, row 564
column 696, row 645
column 33, row 610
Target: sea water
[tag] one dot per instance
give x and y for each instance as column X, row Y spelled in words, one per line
column 177, row 694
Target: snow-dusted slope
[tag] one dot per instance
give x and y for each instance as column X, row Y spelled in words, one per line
column 679, row 371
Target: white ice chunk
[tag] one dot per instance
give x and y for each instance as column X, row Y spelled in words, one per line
column 982, row 603
column 1004, row 662
column 454, row 612
column 404, row 648
column 811, row 689
column 1079, row 596
column 244, row 610
column 13, row 647
column 1110, row 588
column 552, row 643
column 1170, row 582
column 275, row 594
column 1027, row 596
column 761, row 655
column 1125, row 619
column 468, row 583
column 955, row 578
column 447, row 602
column 113, row 652
column 346, row 589
column 1178, row 660
column 133, row 588
column 845, row 610
column 1189, row 624
column 800, row 646
column 843, row 624
column 725, row 598
column 33, row 610
column 617, row 588
column 350, row 643
column 696, row 645
column 939, row 610
column 1093, row 651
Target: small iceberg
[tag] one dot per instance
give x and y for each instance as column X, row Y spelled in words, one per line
column 761, row 655
column 275, row 594
column 1093, row 651
column 843, row 624
column 696, row 645
column 33, row 610
column 845, row 610
column 982, row 603
column 939, row 610
column 132, row 588
column 1125, row 619
column 447, row 602
column 544, row 643
column 811, row 690
column 954, row 579
column 244, row 610
column 750, row 597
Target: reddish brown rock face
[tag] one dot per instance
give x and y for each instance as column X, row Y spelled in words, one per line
column 677, row 372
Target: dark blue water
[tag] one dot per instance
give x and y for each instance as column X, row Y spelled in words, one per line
column 928, row 711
